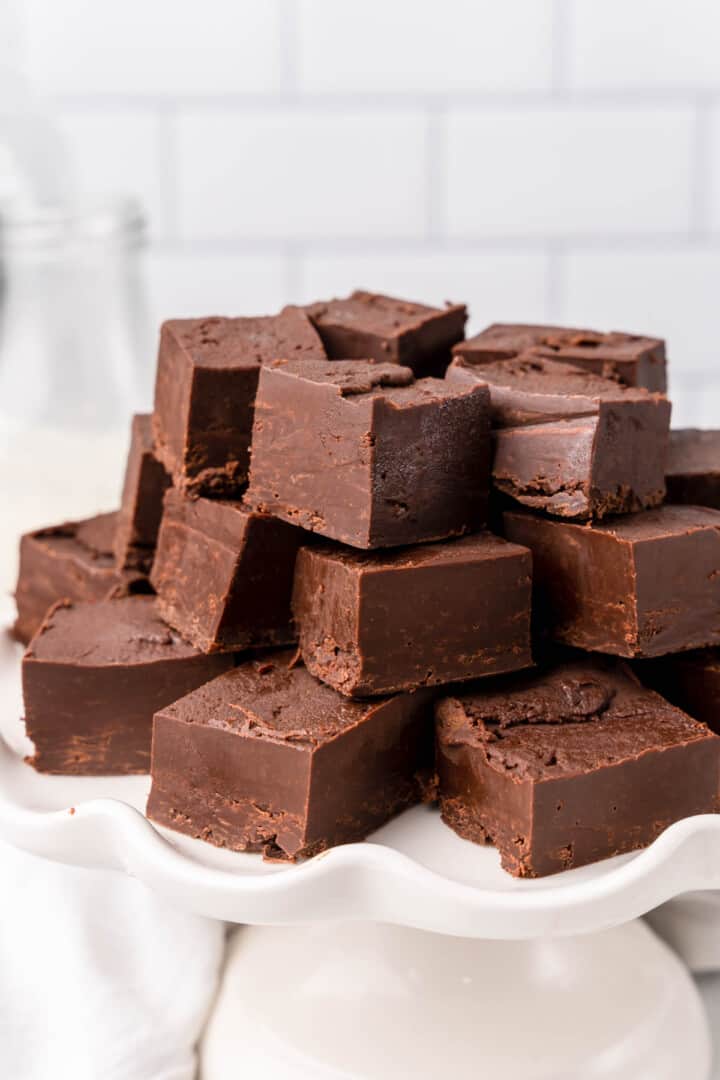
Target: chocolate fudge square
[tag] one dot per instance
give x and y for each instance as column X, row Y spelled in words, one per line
column 140, row 511
column 369, row 325
column 571, row 443
column 366, row 454
column 72, row 561
column 690, row 680
column 205, row 392
column 224, row 573
column 436, row 613
column 693, row 468
column 569, row 765
column 632, row 359
column 265, row 758
column 637, row 586
column 93, row 676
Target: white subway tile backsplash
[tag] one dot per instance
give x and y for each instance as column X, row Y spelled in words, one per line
column 116, row 153
column 669, row 292
column 657, row 44
column 413, row 46
column 291, row 173
column 184, row 285
column 162, row 47
column 495, row 286
column 566, row 170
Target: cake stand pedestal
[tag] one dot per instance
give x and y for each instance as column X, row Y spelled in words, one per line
column 380, row 1002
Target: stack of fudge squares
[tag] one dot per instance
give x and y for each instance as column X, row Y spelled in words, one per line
column 363, row 563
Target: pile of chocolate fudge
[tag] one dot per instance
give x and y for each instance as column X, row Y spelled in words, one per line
column 363, row 563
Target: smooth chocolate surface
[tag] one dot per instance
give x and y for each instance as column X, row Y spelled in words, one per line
column 368, row 325
column 266, row 758
column 632, row 359
column 570, row 765
column 689, row 680
column 366, row 454
column 224, row 573
column 693, row 467
column 571, row 443
column 637, row 586
column 205, row 392
column 93, row 676
column 436, row 613
column 72, row 561
column 140, row 511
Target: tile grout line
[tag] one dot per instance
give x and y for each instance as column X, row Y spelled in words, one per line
column 559, row 46
column 167, row 163
column 436, row 172
column 286, row 14
column 702, row 178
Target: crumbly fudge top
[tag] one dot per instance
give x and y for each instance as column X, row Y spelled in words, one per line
column 513, row 338
column 377, row 314
column 693, row 453
column 357, row 378
column 123, row 631
column 484, row 546
column 221, row 342
column 272, row 698
column 534, row 374
column 574, row 718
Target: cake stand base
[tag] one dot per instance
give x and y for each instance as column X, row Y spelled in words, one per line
column 368, row 1000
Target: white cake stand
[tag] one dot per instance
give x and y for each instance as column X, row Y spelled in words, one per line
column 357, row 983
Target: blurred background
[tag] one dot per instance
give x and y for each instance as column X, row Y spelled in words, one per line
column 543, row 160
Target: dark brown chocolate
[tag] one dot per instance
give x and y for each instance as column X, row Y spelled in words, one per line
column 142, row 500
column 369, row 325
column 570, row 765
column 571, row 443
column 365, row 454
column 376, row 624
column 93, row 676
column 632, row 359
column 637, row 586
column 72, row 561
column 690, row 680
column 224, row 574
column 265, row 758
column 693, row 468
column 205, row 392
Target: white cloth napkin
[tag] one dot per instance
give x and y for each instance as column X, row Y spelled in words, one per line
column 99, row 978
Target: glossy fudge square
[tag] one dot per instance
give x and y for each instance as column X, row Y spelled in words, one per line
column 207, row 377
column 693, row 468
column 632, row 359
column 570, row 443
column 93, row 676
column 72, row 561
column 436, row 613
column 690, row 680
column 368, row 325
column 140, row 511
column 637, row 586
column 570, row 765
column 366, row 454
column 266, row 758
column 224, row 573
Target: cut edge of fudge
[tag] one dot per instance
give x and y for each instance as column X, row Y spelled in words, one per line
column 546, row 764
column 93, row 676
column 290, row 768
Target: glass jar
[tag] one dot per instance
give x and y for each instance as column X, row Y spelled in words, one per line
column 75, row 351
